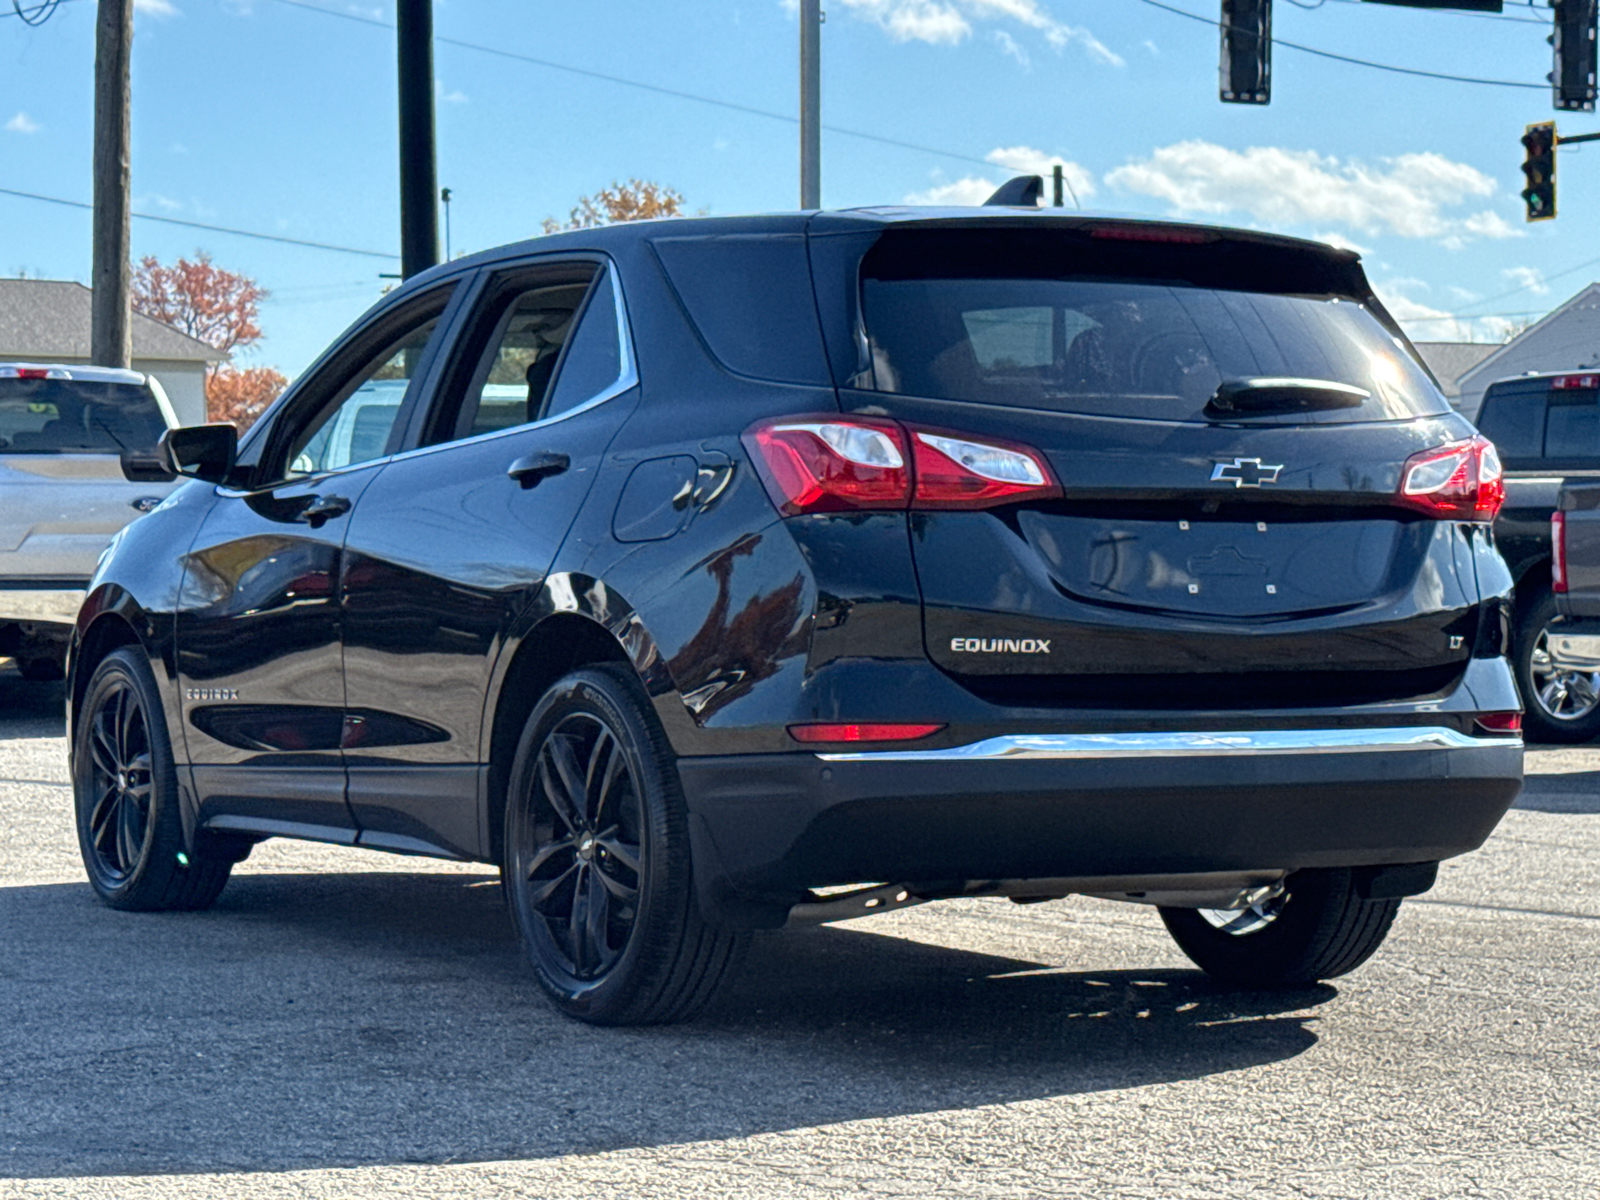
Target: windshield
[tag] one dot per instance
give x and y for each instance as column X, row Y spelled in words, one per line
column 77, row 416
column 1127, row 348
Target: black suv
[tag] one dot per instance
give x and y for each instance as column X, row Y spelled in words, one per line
column 711, row 574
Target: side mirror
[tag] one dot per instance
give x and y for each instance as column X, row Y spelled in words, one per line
column 204, row 452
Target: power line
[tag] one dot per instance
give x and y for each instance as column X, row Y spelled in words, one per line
column 1533, row 283
column 245, row 233
column 41, row 12
column 1344, row 58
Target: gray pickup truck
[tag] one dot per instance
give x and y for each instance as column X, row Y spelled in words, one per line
column 1573, row 642
column 1547, row 430
column 63, row 496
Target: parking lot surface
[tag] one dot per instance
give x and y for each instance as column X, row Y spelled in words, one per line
column 346, row 1023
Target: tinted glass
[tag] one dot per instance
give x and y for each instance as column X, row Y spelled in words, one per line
column 593, row 361
column 528, row 327
column 66, row 416
column 1138, row 349
column 1572, row 430
column 1513, row 419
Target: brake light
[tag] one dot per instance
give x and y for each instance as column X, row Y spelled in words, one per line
column 870, row 732
column 32, row 373
column 1558, row 556
column 1462, row 481
column 842, row 463
column 1500, row 722
column 1171, row 235
column 1574, row 383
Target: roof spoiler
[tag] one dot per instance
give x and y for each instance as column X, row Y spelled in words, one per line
column 1022, row 192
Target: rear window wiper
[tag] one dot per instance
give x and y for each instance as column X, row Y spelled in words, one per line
column 1262, row 395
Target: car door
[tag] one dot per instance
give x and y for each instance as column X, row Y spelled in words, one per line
column 453, row 539
column 258, row 618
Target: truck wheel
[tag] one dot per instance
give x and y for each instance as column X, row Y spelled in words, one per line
column 1317, row 928
column 126, row 796
column 597, row 868
column 1560, row 705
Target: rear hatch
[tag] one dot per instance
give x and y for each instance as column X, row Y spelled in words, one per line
column 1228, row 436
column 61, row 477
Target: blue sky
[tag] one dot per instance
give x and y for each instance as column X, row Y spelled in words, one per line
column 268, row 116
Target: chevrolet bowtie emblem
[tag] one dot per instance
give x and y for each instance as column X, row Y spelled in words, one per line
column 1245, row 472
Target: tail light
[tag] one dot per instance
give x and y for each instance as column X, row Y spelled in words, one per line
column 1558, row 555
column 33, row 373
column 1575, row 383
column 870, row 732
column 1500, row 722
column 1462, row 481
column 838, row 464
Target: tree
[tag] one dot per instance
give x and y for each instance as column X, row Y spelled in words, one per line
column 240, row 396
column 636, row 200
column 221, row 309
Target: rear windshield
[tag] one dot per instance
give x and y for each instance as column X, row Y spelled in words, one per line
column 67, row 416
column 1134, row 348
column 1529, row 420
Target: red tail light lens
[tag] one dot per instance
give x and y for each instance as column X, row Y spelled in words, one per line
column 841, row 463
column 1501, row 722
column 879, row 732
column 1462, row 481
column 1574, row 383
column 827, row 464
column 1558, row 556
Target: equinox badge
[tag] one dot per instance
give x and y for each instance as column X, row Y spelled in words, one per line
column 1245, row 472
column 1000, row 645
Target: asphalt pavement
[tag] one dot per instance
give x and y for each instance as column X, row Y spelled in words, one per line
column 350, row 1024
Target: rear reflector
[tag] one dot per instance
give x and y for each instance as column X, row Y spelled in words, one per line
column 1558, row 552
column 879, row 732
column 1501, row 722
column 1462, row 481
column 822, row 464
column 1574, row 383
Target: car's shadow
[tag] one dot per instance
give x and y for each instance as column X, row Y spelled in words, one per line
column 31, row 709
column 340, row 1020
column 1570, row 792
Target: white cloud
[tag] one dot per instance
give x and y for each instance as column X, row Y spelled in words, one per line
column 155, row 8
column 1008, row 45
column 1406, row 196
column 1344, row 243
column 22, row 123
column 166, row 203
column 1530, row 278
column 455, row 97
column 948, row 22
column 1425, row 323
column 1017, row 160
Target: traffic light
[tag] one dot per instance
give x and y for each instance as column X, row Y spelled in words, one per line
column 1247, row 51
column 1574, row 40
column 1540, row 167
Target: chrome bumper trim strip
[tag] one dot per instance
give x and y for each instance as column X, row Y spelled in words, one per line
column 1186, row 745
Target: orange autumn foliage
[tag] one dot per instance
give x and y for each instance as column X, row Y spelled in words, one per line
column 240, row 396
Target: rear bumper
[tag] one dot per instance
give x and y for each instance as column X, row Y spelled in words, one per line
column 1085, row 806
column 52, row 602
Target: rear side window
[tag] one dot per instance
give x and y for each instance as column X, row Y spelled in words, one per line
column 77, row 416
column 1136, row 348
column 1572, row 428
column 1513, row 419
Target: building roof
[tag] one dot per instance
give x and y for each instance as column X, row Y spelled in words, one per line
column 48, row 320
column 1576, row 346
column 1449, row 361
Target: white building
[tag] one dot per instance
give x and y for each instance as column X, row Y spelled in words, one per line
column 1568, row 339
column 48, row 321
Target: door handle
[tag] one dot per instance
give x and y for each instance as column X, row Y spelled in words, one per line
column 323, row 508
column 531, row 468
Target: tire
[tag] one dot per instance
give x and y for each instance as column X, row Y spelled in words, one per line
column 1317, row 929
column 1558, row 706
column 125, row 793
column 603, row 896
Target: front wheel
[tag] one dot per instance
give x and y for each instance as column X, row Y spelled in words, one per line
column 1318, row 927
column 125, row 790
column 1561, row 704
column 597, row 869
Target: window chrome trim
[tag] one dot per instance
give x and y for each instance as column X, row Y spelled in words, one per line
column 1054, row 746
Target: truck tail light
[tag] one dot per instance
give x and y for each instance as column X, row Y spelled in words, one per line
column 1575, row 383
column 826, row 464
column 1558, row 552
column 1462, row 481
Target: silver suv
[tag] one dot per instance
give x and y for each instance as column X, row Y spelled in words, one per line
column 63, row 430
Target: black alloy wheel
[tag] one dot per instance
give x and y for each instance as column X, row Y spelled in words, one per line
column 125, row 790
column 597, row 866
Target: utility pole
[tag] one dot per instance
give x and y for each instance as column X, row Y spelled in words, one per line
column 419, row 187
column 810, row 103
column 110, row 338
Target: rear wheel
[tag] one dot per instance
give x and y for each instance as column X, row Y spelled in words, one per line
column 597, row 869
column 125, row 790
column 1316, row 928
column 1561, row 704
